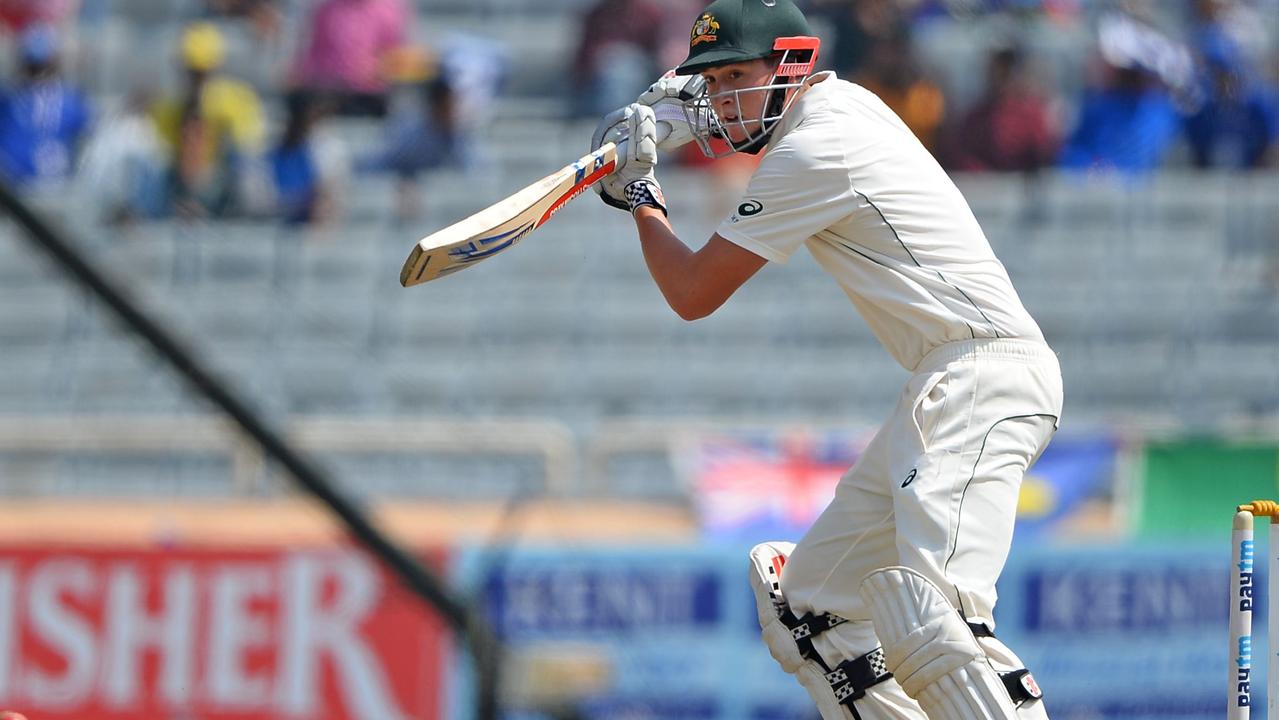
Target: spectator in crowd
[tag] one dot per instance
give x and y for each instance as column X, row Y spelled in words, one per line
column 1060, row 9
column 477, row 69
column 673, row 36
column 1245, row 26
column 424, row 137
column 1130, row 121
column 264, row 16
column 307, row 168
column 347, row 43
column 1127, row 125
column 18, row 15
column 893, row 73
column 1010, row 128
column 211, row 128
column 43, row 118
column 617, row 53
column 858, row 29
column 1238, row 120
column 123, row 164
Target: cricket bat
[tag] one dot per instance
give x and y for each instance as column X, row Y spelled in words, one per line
column 506, row 222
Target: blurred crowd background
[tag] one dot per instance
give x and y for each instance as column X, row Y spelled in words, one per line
column 226, row 108
column 584, row 466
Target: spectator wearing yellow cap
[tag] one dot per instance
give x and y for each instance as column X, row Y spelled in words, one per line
column 210, row 128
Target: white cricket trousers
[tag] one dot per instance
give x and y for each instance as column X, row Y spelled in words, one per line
column 936, row 489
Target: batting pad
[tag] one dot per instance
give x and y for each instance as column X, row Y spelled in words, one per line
column 931, row 650
column 767, row 560
column 842, row 687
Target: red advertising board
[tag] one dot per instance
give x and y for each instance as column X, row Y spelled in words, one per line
column 213, row 634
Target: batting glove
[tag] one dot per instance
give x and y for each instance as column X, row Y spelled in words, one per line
column 634, row 183
column 612, row 129
column 666, row 97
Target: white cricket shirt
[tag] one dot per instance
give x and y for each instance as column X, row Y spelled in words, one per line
column 843, row 175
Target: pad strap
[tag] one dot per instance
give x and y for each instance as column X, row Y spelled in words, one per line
column 806, row 628
column 981, row 629
column 852, row 678
column 1020, row 683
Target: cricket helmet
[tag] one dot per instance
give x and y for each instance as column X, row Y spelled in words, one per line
column 733, row 31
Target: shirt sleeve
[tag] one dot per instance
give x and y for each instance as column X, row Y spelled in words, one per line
column 800, row 188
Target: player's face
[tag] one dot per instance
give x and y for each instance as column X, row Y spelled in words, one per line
column 739, row 113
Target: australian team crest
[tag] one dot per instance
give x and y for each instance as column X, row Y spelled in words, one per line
column 706, row 29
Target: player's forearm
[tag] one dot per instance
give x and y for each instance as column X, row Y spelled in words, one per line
column 670, row 262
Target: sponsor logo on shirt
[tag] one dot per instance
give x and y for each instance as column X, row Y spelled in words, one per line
column 749, row 208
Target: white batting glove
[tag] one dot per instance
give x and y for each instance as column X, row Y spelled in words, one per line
column 667, row 97
column 612, row 129
column 634, row 183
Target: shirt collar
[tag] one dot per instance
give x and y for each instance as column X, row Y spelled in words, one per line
column 798, row 109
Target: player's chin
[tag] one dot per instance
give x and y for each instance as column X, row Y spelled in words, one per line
column 736, row 134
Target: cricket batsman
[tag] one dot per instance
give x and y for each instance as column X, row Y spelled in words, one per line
column 885, row 608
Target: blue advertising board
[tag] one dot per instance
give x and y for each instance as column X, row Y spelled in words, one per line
column 1110, row 631
column 1124, row 632
column 674, row 627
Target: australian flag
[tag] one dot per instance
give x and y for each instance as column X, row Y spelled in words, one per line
column 767, row 484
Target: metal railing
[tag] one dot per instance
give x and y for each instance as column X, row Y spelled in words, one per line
column 550, row 442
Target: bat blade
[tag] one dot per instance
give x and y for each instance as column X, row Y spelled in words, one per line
column 504, row 223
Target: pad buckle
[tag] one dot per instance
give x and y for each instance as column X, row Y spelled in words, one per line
column 1021, row 686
